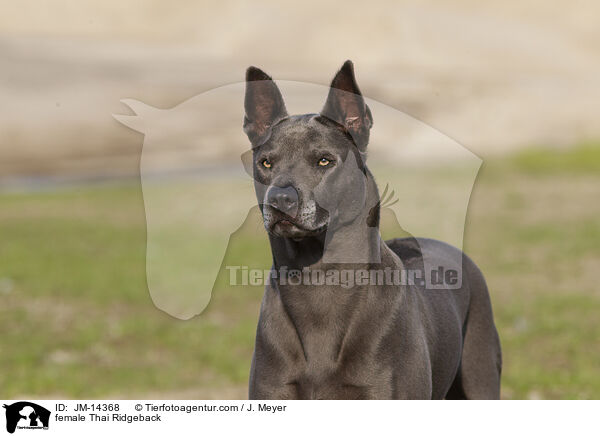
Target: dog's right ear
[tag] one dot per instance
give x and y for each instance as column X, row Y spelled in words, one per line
column 264, row 106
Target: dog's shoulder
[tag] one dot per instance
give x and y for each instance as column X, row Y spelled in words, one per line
column 407, row 249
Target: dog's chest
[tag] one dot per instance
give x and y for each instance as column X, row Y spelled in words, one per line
column 322, row 319
column 336, row 364
column 322, row 380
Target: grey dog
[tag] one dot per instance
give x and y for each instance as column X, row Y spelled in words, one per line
column 372, row 340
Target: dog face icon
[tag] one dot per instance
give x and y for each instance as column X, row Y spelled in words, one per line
column 28, row 414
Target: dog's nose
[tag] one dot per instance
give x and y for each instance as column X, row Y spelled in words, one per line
column 283, row 199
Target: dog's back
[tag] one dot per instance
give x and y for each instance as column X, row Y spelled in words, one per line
column 481, row 361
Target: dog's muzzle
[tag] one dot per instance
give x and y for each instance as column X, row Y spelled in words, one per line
column 285, row 214
column 284, row 200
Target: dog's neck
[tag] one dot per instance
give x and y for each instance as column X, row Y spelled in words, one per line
column 317, row 310
column 355, row 244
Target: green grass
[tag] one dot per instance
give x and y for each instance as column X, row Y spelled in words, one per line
column 77, row 319
column 76, row 315
column 584, row 158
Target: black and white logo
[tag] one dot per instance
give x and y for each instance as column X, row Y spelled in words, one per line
column 26, row 415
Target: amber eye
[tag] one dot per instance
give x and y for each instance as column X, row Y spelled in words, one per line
column 266, row 163
column 323, row 162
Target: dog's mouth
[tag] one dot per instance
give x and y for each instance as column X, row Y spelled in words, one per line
column 296, row 227
column 308, row 221
column 288, row 228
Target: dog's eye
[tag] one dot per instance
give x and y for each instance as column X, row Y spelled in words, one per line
column 266, row 163
column 323, row 162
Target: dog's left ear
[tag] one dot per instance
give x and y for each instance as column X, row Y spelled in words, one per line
column 264, row 106
column 346, row 106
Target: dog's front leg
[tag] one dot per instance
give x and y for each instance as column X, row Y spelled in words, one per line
column 268, row 382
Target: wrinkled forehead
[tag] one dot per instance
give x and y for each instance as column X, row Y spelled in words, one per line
column 304, row 133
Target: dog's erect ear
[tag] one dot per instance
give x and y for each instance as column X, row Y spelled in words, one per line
column 264, row 106
column 346, row 106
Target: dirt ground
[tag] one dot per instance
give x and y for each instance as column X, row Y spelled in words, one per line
column 493, row 75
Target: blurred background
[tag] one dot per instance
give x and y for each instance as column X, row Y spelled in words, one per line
column 515, row 82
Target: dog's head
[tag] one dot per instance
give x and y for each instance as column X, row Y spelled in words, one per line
column 309, row 170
